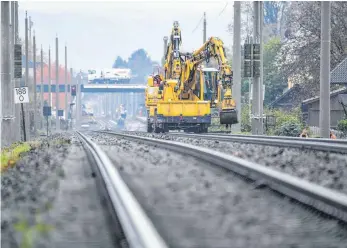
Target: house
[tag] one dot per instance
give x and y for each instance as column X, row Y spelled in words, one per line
column 293, row 96
column 338, row 99
column 310, row 108
column 289, row 99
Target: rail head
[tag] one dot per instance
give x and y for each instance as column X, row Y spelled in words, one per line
column 325, row 200
column 324, row 140
column 139, row 230
column 313, row 144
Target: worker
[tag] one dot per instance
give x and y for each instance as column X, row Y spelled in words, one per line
column 332, row 135
column 304, row 133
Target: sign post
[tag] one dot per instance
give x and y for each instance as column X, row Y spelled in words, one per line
column 21, row 95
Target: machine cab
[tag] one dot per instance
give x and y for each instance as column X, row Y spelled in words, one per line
column 210, row 85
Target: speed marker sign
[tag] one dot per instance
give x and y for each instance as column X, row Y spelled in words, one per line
column 21, row 95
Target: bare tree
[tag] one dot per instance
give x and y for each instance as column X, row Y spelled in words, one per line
column 246, row 21
column 300, row 53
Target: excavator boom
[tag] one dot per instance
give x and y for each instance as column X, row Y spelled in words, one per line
column 213, row 48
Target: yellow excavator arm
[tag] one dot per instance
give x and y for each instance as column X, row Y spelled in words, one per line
column 172, row 64
column 214, row 47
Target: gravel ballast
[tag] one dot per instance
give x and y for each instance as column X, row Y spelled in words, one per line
column 324, row 168
column 51, row 196
column 194, row 204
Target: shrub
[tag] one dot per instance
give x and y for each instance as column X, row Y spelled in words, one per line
column 287, row 123
column 245, row 121
column 342, row 126
column 289, row 128
column 10, row 155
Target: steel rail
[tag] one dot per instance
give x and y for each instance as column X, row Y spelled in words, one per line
column 337, row 141
column 260, row 140
column 139, row 230
column 323, row 199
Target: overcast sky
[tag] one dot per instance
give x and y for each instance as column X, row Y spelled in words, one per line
column 96, row 32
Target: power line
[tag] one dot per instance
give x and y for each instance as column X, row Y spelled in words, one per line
column 226, row 5
column 198, row 24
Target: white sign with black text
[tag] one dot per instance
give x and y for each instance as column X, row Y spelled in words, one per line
column 21, row 95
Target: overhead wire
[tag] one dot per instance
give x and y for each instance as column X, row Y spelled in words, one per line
column 226, row 5
column 198, row 24
column 220, row 13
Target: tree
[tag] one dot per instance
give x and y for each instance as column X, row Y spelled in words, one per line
column 140, row 64
column 271, row 11
column 119, row 63
column 246, row 21
column 274, row 81
column 300, row 53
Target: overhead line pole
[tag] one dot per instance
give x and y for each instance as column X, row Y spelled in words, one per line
column 324, row 103
column 261, row 88
column 237, row 62
column 17, row 82
column 71, row 106
column 41, row 91
column 66, row 85
column 257, row 115
column 6, row 89
column 57, row 124
column 35, row 90
column 26, row 128
column 50, row 103
column 12, row 42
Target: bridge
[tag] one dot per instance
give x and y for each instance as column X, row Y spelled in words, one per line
column 98, row 88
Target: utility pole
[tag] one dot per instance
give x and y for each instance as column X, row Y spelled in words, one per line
column 17, row 83
column 27, row 127
column 261, row 88
column 66, row 83
column 6, row 86
column 29, row 25
column 35, row 90
column 237, row 62
column 11, row 40
column 1, row 74
column 257, row 115
column 57, row 124
column 324, row 103
column 71, row 97
column 41, row 91
column 78, row 100
column 31, row 116
column 49, row 79
column 204, row 30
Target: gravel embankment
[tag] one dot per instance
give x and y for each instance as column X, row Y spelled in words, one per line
column 326, row 169
column 194, row 204
column 52, row 185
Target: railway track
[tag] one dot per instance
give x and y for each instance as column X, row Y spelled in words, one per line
column 134, row 223
column 325, row 200
column 228, row 134
column 338, row 146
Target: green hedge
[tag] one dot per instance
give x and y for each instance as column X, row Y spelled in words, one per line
column 342, row 126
